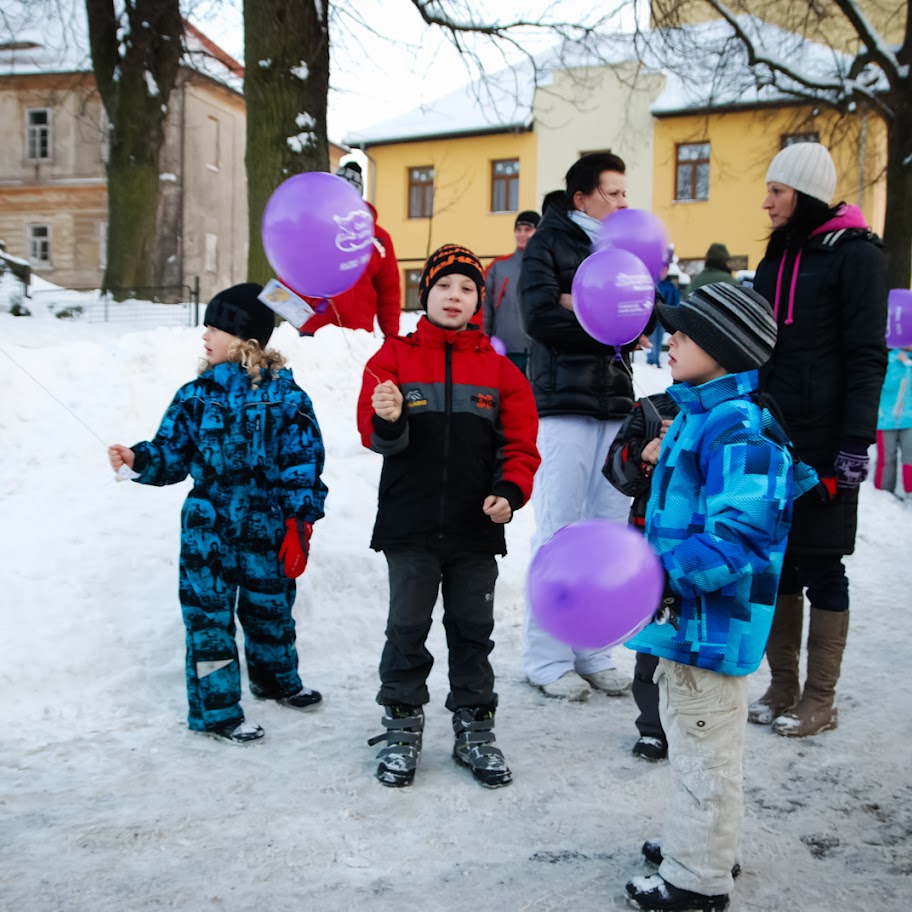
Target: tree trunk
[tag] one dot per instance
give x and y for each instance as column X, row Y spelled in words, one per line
column 286, row 83
column 135, row 55
column 133, row 184
column 898, row 216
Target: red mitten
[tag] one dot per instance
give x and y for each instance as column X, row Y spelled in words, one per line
column 295, row 547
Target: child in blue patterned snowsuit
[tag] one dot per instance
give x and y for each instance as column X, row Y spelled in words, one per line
column 718, row 517
column 247, row 435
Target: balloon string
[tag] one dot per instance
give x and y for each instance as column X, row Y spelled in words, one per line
column 58, row 401
column 628, row 369
column 331, row 305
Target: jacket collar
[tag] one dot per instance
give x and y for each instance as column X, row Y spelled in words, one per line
column 472, row 338
column 698, row 399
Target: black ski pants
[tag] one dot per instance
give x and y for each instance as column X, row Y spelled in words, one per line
column 467, row 581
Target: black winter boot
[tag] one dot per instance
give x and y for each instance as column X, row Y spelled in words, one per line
column 658, row 895
column 474, row 748
column 399, row 759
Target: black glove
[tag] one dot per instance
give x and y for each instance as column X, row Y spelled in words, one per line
column 669, row 610
column 851, row 464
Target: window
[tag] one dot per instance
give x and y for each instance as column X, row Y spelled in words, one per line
column 789, row 139
column 212, row 143
column 412, row 278
column 38, row 134
column 692, row 172
column 421, row 192
column 39, row 245
column 505, row 185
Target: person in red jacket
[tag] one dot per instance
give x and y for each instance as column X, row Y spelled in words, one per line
column 456, row 425
column 377, row 294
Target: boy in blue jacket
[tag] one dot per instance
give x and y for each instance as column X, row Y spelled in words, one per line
column 718, row 517
column 247, row 435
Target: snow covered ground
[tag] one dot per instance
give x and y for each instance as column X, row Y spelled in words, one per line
column 109, row 803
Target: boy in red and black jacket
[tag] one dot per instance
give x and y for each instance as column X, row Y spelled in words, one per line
column 456, row 425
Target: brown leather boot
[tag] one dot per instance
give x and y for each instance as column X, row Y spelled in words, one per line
column 783, row 650
column 815, row 711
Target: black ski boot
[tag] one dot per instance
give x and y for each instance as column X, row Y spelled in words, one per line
column 656, row 894
column 399, row 759
column 474, row 727
column 303, row 700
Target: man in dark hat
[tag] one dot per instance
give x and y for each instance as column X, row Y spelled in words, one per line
column 502, row 317
column 715, row 268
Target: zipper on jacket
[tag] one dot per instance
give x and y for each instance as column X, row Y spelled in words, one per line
column 447, row 413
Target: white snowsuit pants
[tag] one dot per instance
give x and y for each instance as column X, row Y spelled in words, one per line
column 704, row 715
column 569, row 486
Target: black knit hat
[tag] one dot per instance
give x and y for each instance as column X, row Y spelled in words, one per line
column 446, row 260
column 238, row 311
column 529, row 217
column 733, row 325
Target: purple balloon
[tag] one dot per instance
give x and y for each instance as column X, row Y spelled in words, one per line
column 318, row 234
column 498, row 345
column 639, row 232
column 595, row 584
column 899, row 318
column 613, row 295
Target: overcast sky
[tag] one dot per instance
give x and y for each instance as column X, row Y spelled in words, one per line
column 386, row 61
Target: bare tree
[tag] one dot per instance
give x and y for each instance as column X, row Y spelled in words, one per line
column 136, row 54
column 287, row 59
column 867, row 73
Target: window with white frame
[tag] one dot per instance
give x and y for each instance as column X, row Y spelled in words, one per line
column 412, row 283
column 38, row 134
column 39, row 245
column 692, row 172
column 505, row 185
column 421, row 192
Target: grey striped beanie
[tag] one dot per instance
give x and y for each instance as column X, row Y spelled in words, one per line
column 733, row 325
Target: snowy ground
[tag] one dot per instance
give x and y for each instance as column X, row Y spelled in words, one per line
column 109, row 803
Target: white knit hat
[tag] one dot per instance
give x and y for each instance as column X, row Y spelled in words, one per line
column 807, row 167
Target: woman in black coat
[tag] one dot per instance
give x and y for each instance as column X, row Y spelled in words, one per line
column 825, row 275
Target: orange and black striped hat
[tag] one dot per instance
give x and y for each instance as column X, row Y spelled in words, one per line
column 446, row 260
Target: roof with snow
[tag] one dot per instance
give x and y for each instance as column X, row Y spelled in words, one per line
column 712, row 73
column 41, row 36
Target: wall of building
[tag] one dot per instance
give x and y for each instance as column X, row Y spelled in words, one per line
column 66, row 192
column 462, row 193
column 212, row 181
column 592, row 110
column 742, row 145
column 202, row 215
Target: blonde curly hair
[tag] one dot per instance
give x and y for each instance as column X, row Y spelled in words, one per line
column 253, row 359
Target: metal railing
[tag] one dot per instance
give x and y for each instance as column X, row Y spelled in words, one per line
column 140, row 307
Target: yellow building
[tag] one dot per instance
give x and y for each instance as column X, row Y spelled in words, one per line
column 454, row 172
column 710, row 173
column 696, row 149
column 452, row 189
